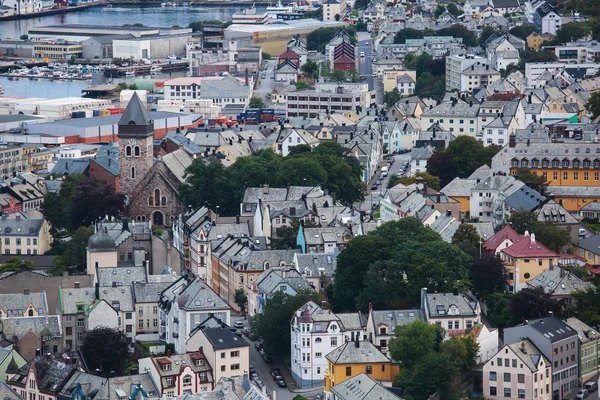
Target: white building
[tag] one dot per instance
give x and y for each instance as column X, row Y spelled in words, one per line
column 136, row 48
column 455, row 65
column 184, row 306
column 547, row 19
column 329, row 97
column 21, row 7
column 418, row 160
column 405, row 85
column 315, row 332
column 458, row 118
column 222, row 90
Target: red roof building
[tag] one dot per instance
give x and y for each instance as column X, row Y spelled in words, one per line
column 502, row 239
column 289, row 55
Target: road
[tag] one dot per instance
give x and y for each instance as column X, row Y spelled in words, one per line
column 374, row 196
column 365, row 64
column 266, row 85
column 264, row 371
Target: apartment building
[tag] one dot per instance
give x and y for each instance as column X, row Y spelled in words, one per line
column 21, row 235
column 180, row 374
column 315, row 332
column 333, row 8
column 455, row 65
column 330, row 97
column 547, row 19
column 221, row 90
column 73, row 303
column 43, row 377
column 146, row 296
column 558, row 343
column 458, row 118
column 589, row 341
column 518, row 370
column 455, row 312
column 12, row 162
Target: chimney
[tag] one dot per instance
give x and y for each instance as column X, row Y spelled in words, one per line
column 533, row 238
column 370, row 307
column 512, row 141
column 455, row 291
column 523, row 349
column 168, row 353
column 265, row 189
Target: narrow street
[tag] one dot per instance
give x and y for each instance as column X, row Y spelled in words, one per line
column 374, row 196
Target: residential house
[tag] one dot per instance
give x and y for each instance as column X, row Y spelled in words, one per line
column 458, row 118
column 535, row 40
column 289, row 137
column 315, row 332
column 227, row 353
column 318, row 269
column 33, row 335
column 519, row 369
column 328, row 239
column 558, row 343
column 276, row 279
column 354, row 358
column 547, row 19
column 551, row 211
column 589, row 340
column 459, row 189
column 146, row 296
column 455, row 312
column 502, row 239
column 526, row 259
column 382, row 324
column 559, row 284
column 21, row 234
column 362, row 387
column 418, row 160
column 184, row 305
column 489, row 195
column 72, row 307
column 506, row 6
column 24, row 304
column 44, row 376
column 180, row 374
column 588, row 248
column 287, row 71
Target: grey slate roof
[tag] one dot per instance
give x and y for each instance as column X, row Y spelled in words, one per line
column 449, row 110
column 50, row 373
column 554, row 212
column 352, row 321
column 12, row 226
column 121, row 295
column 93, row 387
column 531, row 356
column 16, row 304
column 362, row 387
column 394, row 318
column 459, row 187
column 221, row 338
column 553, row 329
column 359, row 352
column 196, row 296
column 135, row 112
column 6, row 392
column 585, row 332
column 128, row 383
column 558, row 282
column 525, row 198
column 70, row 297
column 19, row 326
column 148, row 292
column 440, row 303
column 107, row 157
column 315, row 264
column 271, row 280
column 423, row 153
column 70, row 166
column 123, row 276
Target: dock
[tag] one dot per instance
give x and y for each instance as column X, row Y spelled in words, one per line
column 197, row 3
column 99, row 90
column 171, row 65
column 54, row 78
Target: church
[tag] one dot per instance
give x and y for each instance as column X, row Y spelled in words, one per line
column 151, row 185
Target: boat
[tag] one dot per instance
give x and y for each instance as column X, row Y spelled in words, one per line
column 163, row 4
column 155, row 69
column 280, row 8
column 130, row 73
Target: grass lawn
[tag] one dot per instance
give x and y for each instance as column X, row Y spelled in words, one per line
column 595, row 227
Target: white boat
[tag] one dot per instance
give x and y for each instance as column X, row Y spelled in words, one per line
column 155, row 69
column 280, row 8
column 163, row 4
column 129, row 73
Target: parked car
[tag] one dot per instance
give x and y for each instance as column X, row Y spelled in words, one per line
column 582, row 394
column 280, row 382
column 275, row 372
column 252, row 336
column 591, row 386
column 259, row 383
column 252, row 369
column 384, row 173
column 268, row 360
column 253, row 376
column 374, row 187
column 238, row 324
column 391, row 160
column 258, row 346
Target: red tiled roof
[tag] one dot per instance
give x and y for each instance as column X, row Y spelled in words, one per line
column 505, row 233
column 528, row 247
column 344, row 60
column 289, row 54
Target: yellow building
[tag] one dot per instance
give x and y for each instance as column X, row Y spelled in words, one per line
column 459, row 189
column 390, row 77
column 20, row 235
column 354, row 358
column 525, row 259
column 588, row 248
column 38, row 158
column 535, row 40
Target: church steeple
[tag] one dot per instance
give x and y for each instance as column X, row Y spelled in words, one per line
column 136, row 120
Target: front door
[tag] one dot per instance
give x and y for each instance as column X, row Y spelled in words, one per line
column 158, row 218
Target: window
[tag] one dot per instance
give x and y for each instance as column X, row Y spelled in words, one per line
column 132, row 172
column 169, row 381
column 514, row 363
column 506, row 377
column 521, row 378
column 222, row 368
column 369, row 370
column 141, row 324
column 235, row 367
column 493, row 376
column 136, row 151
column 521, row 393
column 128, row 151
column 492, row 390
column 128, row 315
column 187, row 380
column 506, row 392
column 222, row 354
column 234, row 354
column 565, row 176
column 334, row 341
column 348, row 371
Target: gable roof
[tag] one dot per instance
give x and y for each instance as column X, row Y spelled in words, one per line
column 362, row 387
column 223, row 338
column 357, row 352
column 528, row 247
column 557, row 282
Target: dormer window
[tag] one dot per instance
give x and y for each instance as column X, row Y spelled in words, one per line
column 383, row 330
column 199, row 363
column 167, row 367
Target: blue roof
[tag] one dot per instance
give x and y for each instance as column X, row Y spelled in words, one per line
column 189, row 146
column 70, row 166
column 107, row 157
column 525, row 198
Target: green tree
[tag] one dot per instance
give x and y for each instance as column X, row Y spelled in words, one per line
column 586, row 302
column 439, row 10
column 530, row 303
column 522, row 221
column 24, row 37
column 310, row 68
column 434, row 373
column 489, row 275
column 256, row 102
column 431, row 181
column 461, row 31
column 353, row 76
column 570, row 32
column 414, row 341
column 391, row 98
column 467, row 239
column 536, row 182
column 486, row 32
column 105, row 349
column 272, row 326
column 499, row 310
column 408, row 33
column 453, row 9
column 593, row 105
column 463, row 351
column 241, row 299
column 337, row 75
column 75, row 254
column 302, row 85
column 522, row 31
column 205, row 182
column 14, row 264
column 551, row 235
column 337, row 17
column 285, row 237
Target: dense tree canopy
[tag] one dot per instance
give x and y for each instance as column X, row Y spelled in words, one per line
column 432, row 181
column 593, row 104
column 467, row 239
column 74, row 254
column 463, row 156
column 272, row 326
column 80, row 202
column 328, row 164
column 14, row 264
column 522, row 31
column 371, row 267
column 488, row 275
column 106, row 350
column 318, row 39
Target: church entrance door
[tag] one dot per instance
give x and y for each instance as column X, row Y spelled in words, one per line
column 158, row 218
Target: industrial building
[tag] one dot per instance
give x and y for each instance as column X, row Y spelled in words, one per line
column 80, row 32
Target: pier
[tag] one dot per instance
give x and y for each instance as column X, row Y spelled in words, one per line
column 53, row 11
column 171, row 65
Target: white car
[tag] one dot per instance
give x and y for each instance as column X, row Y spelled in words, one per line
column 362, row 53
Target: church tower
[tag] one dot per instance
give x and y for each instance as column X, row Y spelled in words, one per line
column 136, row 135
